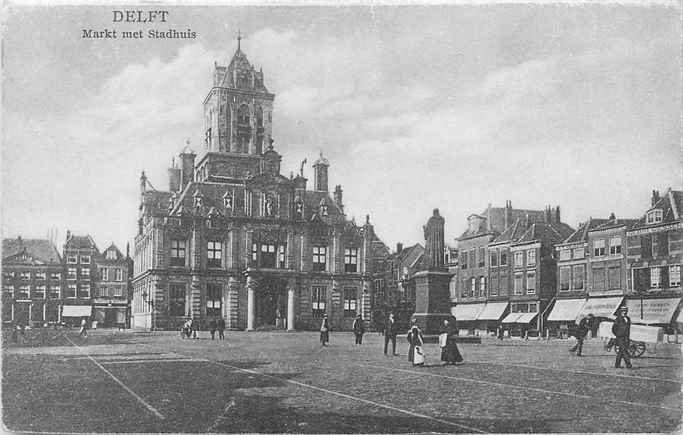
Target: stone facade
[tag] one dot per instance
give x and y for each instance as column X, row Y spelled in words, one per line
column 234, row 238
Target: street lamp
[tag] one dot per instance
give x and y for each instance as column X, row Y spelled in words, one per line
column 150, row 303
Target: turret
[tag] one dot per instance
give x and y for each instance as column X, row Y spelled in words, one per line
column 320, row 173
column 173, row 178
column 338, row 197
column 186, row 166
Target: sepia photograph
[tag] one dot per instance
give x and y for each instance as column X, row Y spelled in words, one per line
column 356, row 217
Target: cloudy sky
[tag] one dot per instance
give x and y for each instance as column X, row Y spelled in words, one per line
column 416, row 107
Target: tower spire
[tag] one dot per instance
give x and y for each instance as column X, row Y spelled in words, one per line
column 239, row 38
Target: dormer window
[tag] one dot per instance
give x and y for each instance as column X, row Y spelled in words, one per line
column 655, row 216
column 111, row 254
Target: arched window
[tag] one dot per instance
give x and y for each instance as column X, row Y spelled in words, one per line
column 243, row 115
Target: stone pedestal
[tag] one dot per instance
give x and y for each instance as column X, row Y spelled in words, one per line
column 432, row 300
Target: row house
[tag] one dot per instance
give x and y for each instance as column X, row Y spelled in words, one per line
column 79, row 254
column 32, row 282
column 655, row 256
column 502, row 258
column 234, row 238
column 111, row 294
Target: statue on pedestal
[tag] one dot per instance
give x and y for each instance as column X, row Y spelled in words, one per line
column 434, row 242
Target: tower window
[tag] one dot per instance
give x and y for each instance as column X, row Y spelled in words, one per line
column 319, row 258
column 350, row 259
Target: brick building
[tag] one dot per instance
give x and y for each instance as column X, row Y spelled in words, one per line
column 655, row 256
column 79, row 254
column 232, row 237
column 32, row 282
column 111, row 288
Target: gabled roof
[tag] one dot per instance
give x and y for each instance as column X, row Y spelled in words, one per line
column 511, row 234
column 411, row 255
column 581, row 233
column 80, row 242
column 615, row 223
column 102, row 258
column 496, row 216
column 40, row 249
column 544, row 232
column 671, row 205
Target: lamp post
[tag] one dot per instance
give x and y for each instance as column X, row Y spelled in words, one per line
column 150, row 303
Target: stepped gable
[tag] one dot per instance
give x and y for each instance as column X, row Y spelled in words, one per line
column 39, row 249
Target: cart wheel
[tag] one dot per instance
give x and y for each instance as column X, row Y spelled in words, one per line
column 636, row 348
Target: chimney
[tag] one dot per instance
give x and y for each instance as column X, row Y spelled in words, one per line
column 338, row 197
column 557, row 215
column 488, row 218
column 612, row 216
column 143, row 182
column 320, row 173
column 186, row 166
column 655, row 197
column 507, row 215
column 173, row 179
column 399, row 247
column 68, row 234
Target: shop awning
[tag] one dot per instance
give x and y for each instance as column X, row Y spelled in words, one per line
column 600, row 307
column 566, row 309
column 76, row 311
column 493, row 311
column 526, row 317
column 655, row 311
column 464, row 312
column 512, row 318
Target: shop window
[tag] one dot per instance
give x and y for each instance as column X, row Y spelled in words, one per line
column 177, row 253
column 214, row 253
column 213, row 300
column 318, row 301
column 176, row 300
column 351, row 260
column 350, row 301
column 319, row 258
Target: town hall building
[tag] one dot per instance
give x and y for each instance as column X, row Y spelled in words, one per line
column 234, row 238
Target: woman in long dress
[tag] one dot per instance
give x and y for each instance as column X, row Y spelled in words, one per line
column 324, row 331
column 415, row 338
column 450, row 353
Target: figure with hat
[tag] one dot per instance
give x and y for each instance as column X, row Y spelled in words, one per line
column 622, row 332
column 359, row 328
column 324, row 331
column 581, row 333
column 416, row 340
column 390, row 331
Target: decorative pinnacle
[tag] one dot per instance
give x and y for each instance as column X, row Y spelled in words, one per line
column 239, row 38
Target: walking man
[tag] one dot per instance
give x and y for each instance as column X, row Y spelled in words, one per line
column 390, row 334
column 581, row 332
column 359, row 329
column 221, row 328
column 212, row 327
column 622, row 333
column 84, row 328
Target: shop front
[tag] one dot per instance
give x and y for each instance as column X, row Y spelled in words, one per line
column 72, row 314
column 489, row 318
column 563, row 315
column 519, row 324
column 656, row 311
column 466, row 316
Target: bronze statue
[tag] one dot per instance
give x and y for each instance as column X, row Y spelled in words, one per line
column 434, row 241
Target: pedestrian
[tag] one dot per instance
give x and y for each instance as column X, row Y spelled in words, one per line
column 186, row 331
column 581, row 333
column 359, row 329
column 501, row 332
column 84, row 328
column 416, row 341
column 213, row 327
column 390, row 331
column 449, row 348
column 324, row 331
column 221, row 328
column 622, row 336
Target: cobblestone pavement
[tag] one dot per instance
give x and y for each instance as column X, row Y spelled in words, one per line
column 286, row 382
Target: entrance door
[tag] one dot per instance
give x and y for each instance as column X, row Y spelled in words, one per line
column 270, row 303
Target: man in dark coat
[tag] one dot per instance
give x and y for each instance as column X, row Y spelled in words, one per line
column 581, row 332
column 390, row 334
column 359, row 329
column 212, row 327
column 221, row 328
column 622, row 333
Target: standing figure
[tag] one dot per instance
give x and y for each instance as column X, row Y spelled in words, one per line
column 449, row 349
column 324, row 331
column 221, row 328
column 581, row 332
column 359, row 329
column 390, row 334
column 415, row 340
column 501, row 332
column 212, row 327
column 622, row 333
column 84, row 328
